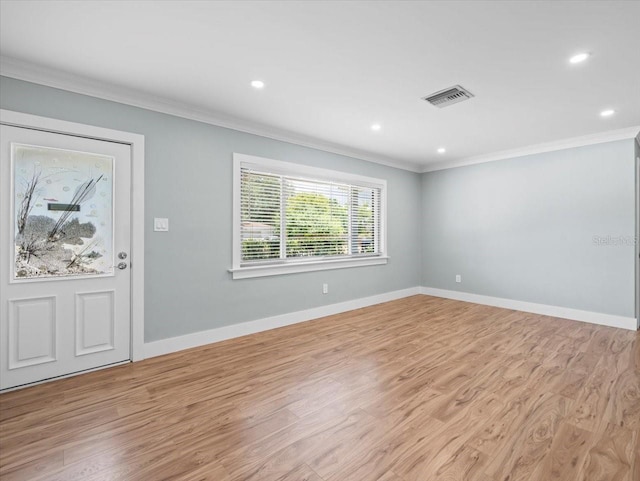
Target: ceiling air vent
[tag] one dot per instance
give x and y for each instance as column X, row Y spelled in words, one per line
column 449, row 96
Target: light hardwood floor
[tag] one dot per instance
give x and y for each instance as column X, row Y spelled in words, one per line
column 418, row 389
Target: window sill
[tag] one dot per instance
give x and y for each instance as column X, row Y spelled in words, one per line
column 293, row 268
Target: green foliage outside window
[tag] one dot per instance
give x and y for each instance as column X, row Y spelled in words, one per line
column 316, row 224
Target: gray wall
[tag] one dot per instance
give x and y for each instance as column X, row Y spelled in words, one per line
column 521, row 228
column 189, row 180
column 525, row 228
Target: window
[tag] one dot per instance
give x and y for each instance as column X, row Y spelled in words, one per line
column 292, row 218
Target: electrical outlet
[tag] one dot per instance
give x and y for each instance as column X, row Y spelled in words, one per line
column 325, row 288
column 458, row 278
column 160, row 224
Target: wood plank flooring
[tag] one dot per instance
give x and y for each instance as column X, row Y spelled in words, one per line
column 417, row 389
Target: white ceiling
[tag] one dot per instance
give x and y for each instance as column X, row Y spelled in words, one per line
column 332, row 69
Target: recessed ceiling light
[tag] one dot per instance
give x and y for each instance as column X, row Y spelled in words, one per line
column 376, row 127
column 442, row 150
column 257, row 84
column 580, row 57
column 607, row 113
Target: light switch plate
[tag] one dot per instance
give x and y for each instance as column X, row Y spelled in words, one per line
column 160, row 224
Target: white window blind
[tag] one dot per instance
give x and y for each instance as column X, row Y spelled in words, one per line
column 293, row 214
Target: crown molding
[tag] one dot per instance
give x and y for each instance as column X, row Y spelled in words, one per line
column 29, row 72
column 571, row 143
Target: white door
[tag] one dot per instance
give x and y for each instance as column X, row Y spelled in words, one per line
column 64, row 245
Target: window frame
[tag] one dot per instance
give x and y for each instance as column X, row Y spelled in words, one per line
column 292, row 266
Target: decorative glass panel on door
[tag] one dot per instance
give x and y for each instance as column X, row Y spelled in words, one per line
column 63, row 213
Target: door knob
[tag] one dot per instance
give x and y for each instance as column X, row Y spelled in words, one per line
column 122, row 266
column 122, row 255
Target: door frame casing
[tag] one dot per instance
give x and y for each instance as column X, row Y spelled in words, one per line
column 136, row 143
column 637, row 237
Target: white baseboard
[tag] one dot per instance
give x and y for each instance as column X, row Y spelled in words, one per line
column 173, row 344
column 201, row 338
column 554, row 311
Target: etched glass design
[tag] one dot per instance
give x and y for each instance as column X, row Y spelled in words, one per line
column 63, row 212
